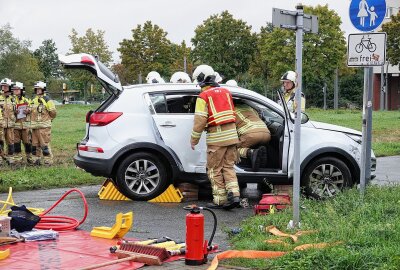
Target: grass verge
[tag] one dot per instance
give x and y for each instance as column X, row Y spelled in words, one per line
column 369, row 230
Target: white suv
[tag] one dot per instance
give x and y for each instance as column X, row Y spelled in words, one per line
column 140, row 137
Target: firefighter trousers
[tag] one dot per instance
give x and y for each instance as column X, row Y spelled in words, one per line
column 9, row 138
column 2, row 155
column 249, row 140
column 41, row 143
column 220, row 171
column 24, row 136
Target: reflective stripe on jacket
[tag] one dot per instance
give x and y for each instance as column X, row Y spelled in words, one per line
column 220, row 106
column 43, row 111
column 247, row 120
column 221, row 135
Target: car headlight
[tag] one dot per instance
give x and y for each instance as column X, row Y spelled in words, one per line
column 356, row 138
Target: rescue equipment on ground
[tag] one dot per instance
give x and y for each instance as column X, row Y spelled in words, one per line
column 270, row 203
column 197, row 248
column 109, row 191
column 170, row 195
column 5, row 226
column 22, row 219
column 149, row 255
column 62, row 223
column 4, row 254
column 10, row 202
column 123, row 223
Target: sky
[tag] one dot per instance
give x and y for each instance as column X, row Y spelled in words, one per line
column 37, row 20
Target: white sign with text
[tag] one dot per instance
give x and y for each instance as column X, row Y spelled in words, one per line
column 366, row 50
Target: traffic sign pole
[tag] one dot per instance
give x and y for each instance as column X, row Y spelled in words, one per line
column 297, row 119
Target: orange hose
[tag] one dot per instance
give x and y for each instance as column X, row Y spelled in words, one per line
column 248, row 254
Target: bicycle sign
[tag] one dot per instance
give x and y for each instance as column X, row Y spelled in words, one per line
column 365, row 43
column 367, row 49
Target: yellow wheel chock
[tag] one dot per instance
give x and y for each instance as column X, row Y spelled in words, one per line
column 123, row 223
column 4, row 254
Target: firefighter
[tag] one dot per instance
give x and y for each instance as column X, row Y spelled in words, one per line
column 42, row 112
column 3, row 85
column 21, row 127
column 9, row 108
column 180, row 77
column 289, row 85
column 215, row 114
column 252, row 132
column 154, row 77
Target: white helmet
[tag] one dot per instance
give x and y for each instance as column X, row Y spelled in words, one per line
column 218, row 77
column 154, row 77
column 289, row 76
column 204, row 75
column 17, row 85
column 6, row 81
column 40, row 84
column 231, row 83
column 180, row 77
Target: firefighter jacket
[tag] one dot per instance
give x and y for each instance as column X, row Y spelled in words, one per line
column 21, row 121
column 215, row 114
column 9, row 109
column 42, row 112
column 1, row 110
column 291, row 103
column 248, row 121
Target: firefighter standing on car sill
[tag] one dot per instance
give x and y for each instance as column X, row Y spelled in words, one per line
column 21, row 127
column 42, row 112
column 215, row 114
column 9, row 108
column 289, row 85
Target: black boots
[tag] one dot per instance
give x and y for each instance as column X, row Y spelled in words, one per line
column 257, row 156
column 233, row 201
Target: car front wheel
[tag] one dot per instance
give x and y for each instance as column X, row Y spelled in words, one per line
column 141, row 176
column 326, row 177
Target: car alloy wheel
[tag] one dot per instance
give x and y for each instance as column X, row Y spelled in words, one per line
column 142, row 176
column 326, row 180
column 326, row 177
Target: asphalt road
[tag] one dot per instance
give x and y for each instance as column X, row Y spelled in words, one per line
column 154, row 220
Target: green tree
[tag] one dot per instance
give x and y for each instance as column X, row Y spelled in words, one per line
column 16, row 60
column 322, row 53
column 48, row 59
column 92, row 43
column 224, row 43
column 149, row 49
column 392, row 29
column 179, row 53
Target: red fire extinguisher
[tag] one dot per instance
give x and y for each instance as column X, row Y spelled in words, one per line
column 196, row 247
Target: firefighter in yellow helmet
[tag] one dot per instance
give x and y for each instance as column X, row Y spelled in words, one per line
column 215, row 114
column 9, row 108
column 21, row 127
column 42, row 112
column 289, row 84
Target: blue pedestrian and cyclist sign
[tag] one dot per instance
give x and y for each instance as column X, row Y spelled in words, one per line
column 366, row 15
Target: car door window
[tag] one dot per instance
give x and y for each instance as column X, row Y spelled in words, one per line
column 174, row 103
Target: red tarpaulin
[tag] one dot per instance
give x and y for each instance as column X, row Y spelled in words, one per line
column 72, row 250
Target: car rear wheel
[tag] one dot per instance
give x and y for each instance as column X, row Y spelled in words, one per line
column 141, row 176
column 326, row 177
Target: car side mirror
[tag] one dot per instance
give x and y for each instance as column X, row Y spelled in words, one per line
column 304, row 118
